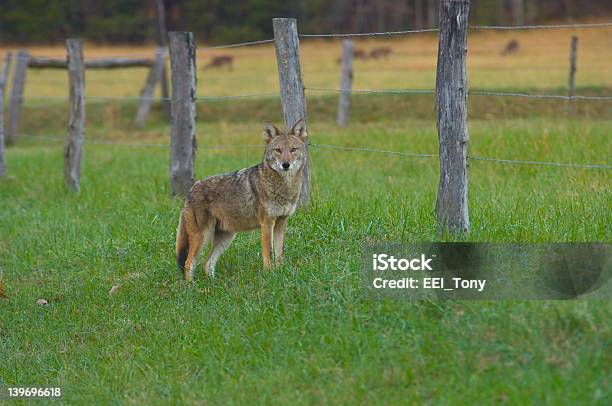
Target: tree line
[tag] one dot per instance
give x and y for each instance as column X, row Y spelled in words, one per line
column 220, row 21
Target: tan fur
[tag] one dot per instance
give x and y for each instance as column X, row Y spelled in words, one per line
column 221, row 61
column 380, row 52
column 262, row 196
column 511, row 47
column 357, row 54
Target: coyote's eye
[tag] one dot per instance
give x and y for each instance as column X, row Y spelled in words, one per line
column 278, row 150
column 293, row 149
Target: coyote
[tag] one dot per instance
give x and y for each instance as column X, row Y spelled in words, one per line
column 262, row 196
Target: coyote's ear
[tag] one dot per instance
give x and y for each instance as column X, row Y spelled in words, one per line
column 270, row 131
column 299, row 129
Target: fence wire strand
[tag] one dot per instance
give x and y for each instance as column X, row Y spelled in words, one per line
column 380, row 151
column 331, row 89
column 546, row 26
column 472, row 27
column 139, row 144
column 263, row 41
column 365, row 34
column 239, row 96
column 541, row 96
column 477, row 93
column 471, row 157
column 324, row 89
column 99, row 99
column 335, row 147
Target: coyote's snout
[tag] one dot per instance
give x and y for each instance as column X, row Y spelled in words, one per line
column 262, row 196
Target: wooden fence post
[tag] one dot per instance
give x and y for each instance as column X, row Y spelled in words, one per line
column 291, row 87
column 451, row 101
column 16, row 100
column 165, row 92
column 572, row 72
column 346, row 82
column 162, row 42
column 75, row 136
column 3, row 76
column 146, row 99
column 37, row 62
column 182, row 137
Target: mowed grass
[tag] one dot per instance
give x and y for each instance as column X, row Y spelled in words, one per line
column 305, row 333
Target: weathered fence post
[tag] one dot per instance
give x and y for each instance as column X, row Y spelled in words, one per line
column 346, row 82
column 16, row 100
column 182, row 137
column 165, row 92
column 146, row 98
column 75, row 136
column 291, row 87
column 162, row 42
column 451, row 100
column 3, row 76
column 572, row 72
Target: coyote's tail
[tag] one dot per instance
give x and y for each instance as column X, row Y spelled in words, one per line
column 182, row 243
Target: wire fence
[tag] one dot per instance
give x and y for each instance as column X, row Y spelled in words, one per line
column 472, row 92
column 389, row 91
column 242, row 44
column 338, row 147
column 381, row 33
column 472, row 27
column 98, row 99
column 416, row 31
column 382, row 91
column 103, row 99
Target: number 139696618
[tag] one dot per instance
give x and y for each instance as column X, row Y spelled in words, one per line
column 30, row 392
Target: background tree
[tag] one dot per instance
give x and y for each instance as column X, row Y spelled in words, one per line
column 220, row 21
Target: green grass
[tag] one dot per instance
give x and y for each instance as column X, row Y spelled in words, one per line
column 305, row 333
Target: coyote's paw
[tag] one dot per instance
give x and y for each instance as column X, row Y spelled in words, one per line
column 210, row 271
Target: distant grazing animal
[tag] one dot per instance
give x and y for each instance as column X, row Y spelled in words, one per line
column 262, row 196
column 511, row 47
column 357, row 54
column 360, row 54
column 221, row 61
column 380, row 52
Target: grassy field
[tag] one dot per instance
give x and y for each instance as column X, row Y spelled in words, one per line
column 541, row 62
column 305, row 333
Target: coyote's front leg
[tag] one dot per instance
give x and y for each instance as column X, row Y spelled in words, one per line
column 280, row 227
column 267, row 243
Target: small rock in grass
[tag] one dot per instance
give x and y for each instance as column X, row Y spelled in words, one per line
column 113, row 290
column 42, row 302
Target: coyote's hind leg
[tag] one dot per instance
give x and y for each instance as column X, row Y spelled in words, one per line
column 198, row 238
column 221, row 240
